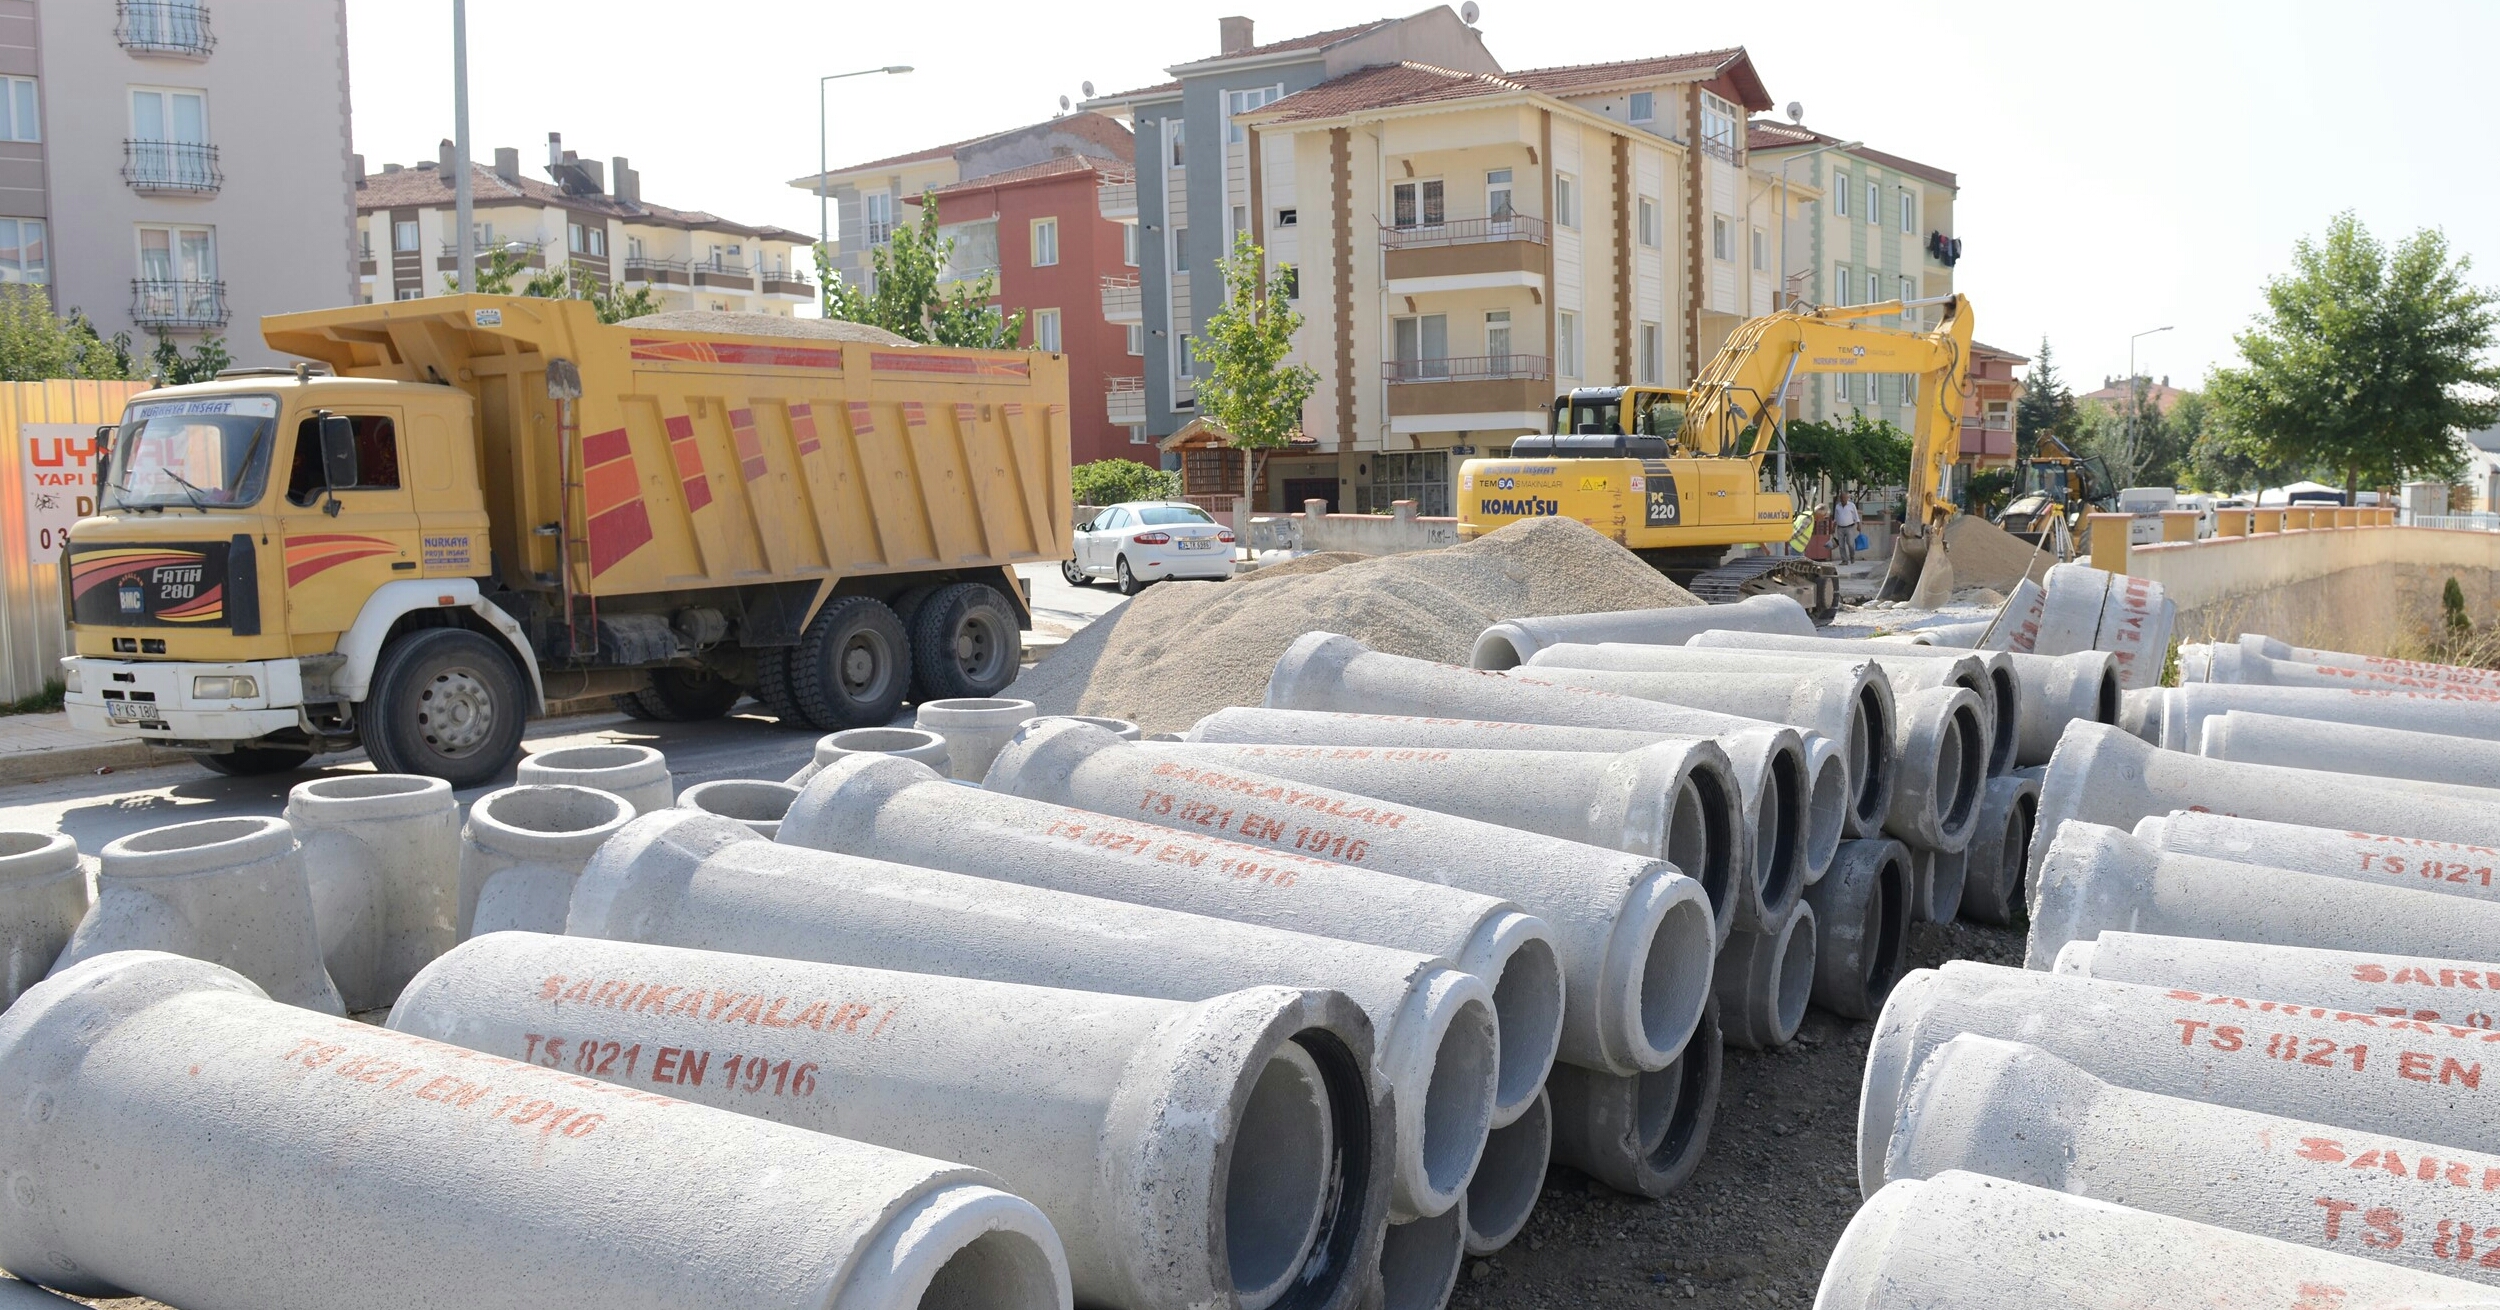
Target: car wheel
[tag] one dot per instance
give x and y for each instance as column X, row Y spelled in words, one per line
column 447, row 703
column 255, row 761
column 853, row 665
column 1129, row 585
column 1077, row 577
column 965, row 643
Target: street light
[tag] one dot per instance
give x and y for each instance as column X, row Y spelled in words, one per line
column 824, row 228
column 2135, row 397
column 462, row 210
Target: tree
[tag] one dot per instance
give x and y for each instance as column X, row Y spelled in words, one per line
column 2365, row 361
column 170, row 367
column 913, row 297
column 1245, row 387
column 36, row 344
column 2046, row 407
column 612, row 303
column 1986, row 490
column 1112, row 481
column 2121, row 445
column 1866, row 451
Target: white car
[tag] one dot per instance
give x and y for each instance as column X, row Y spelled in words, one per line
column 1145, row 541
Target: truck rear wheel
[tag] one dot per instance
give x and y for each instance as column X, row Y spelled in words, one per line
column 681, row 696
column 852, row 665
column 772, row 686
column 965, row 643
column 446, row 703
column 255, row 761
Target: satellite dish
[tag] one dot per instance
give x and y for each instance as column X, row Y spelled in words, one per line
column 1468, row 13
column 1063, row 104
column 1797, row 112
column 1087, row 88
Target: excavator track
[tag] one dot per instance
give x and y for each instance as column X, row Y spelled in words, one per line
column 1814, row 585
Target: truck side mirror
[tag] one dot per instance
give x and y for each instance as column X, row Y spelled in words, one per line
column 338, row 451
column 104, row 454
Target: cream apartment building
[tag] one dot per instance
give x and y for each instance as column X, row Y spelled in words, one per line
column 586, row 214
column 172, row 169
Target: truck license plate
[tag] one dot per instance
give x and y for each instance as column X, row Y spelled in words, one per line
column 130, row 711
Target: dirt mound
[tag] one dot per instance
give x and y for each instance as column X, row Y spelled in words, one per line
column 1318, row 561
column 1985, row 555
column 1181, row 651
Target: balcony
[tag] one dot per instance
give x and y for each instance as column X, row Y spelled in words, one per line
column 1467, row 368
column 177, row 306
column 1466, row 232
column 531, row 254
column 1118, row 200
column 184, row 167
column 782, row 280
column 1125, row 399
column 724, row 274
column 174, row 28
column 1121, row 300
column 1511, row 386
column 1469, row 254
column 655, row 271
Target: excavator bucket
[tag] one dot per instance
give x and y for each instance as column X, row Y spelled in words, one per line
column 1913, row 557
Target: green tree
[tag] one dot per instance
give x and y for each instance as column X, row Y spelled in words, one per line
column 1869, row 452
column 613, row 304
column 913, row 298
column 1245, row 387
column 2366, row 361
column 36, row 344
column 172, row 368
column 1111, row 481
column 2046, row 407
column 1986, row 490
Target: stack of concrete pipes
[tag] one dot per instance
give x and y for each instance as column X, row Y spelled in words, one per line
column 2258, row 1007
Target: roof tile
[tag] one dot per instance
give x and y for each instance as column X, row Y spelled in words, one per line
column 1383, row 86
column 426, row 187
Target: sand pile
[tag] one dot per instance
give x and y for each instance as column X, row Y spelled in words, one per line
column 1985, row 555
column 765, row 325
column 1179, row 652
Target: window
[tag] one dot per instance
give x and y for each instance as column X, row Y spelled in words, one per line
column 592, row 239
column 1653, row 354
column 1288, row 217
column 404, row 236
column 1138, row 437
column 1046, row 330
column 877, row 215
column 1644, row 106
column 177, row 254
column 1180, row 248
column 1292, row 278
column 377, row 458
column 1649, row 222
column 1497, row 205
column 1128, row 244
column 1909, row 211
column 22, row 255
column 1237, row 103
column 1761, row 250
column 1567, row 344
column 1423, row 346
column 975, row 252
column 23, row 121
column 408, row 293
column 1909, row 290
column 1909, row 388
column 1566, row 201
column 364, row 243
column 1874, row 202
column 1874, row 287
column 159, row 115
column 1841, row 284
column 1422, row 476
column 1188, row 351
column 1840, row 195
column 1175, row 141
column 1497, row 340
column 169, row 140
column 1840, row 386
column 1241, row 219
column 1045, row 242
column 1414, row 204
column 1718, row 127
column 1137, row 339
column 1722, row 238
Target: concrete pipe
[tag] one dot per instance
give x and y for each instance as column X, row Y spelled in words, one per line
column 1646, row 1133
column 184, row 1138
column 2017, row 622
column 1674, row 801
column 1849, row 701
column 1420, row 1260
column 901, row 811
column 2459, row 675
column 1252, row 725
column 1211, row 1152
column 1509, row 1178
column 1512, row 643
column 637, row 773
column 1325, row 671
column 2235, row 665
column 1949, row 1243
column 523, row 848
column 2452, row 992
column 2175, row 716
column 228, row 891
column 1942, row 876
column 757, row 804
column 701, row 882
column 2072, row 597
column 1940, row 737
column 975, row 727
column 2097, row 878
column 26, row 1296
column 2012, row 1111
column 1968, row 635
column 43, row 896
column 381, row 853
column 1634, row 936
column 1763, row 981
column 910, row 743
column 1120, row 728
column 2000, row 850
column 2084, row 608
column 2248, row 738
column 1862, row 912
column 2103, row 775
column 2368, row 1072
column 2449, row 868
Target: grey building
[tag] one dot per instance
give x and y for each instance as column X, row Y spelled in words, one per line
column 1193, row 168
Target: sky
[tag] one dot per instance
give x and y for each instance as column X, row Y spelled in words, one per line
column 2124, row 165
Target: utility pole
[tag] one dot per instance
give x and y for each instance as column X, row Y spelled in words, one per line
column 461, row 201
column 2135, row 403
column 824, row 222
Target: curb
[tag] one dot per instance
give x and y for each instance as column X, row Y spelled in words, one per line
column 38, row 766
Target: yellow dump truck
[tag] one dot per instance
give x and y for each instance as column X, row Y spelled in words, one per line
column 463, row 507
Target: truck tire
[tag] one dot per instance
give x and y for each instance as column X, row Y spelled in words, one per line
column 255, row 761
column 446, row 703
column 965, row 643
column 681, row 696
column 772, row 686
column 852, row 666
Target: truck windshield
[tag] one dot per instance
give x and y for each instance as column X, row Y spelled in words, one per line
column 201, row 453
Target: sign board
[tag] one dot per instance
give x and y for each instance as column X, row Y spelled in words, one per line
column 58, row 467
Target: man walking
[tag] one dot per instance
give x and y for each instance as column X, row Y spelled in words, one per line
column 1845, row 520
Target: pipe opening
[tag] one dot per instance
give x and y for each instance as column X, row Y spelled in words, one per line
column 1456, row 1108
column 964, row 708
column 554, row 811
column 2020, row 824
column 1827, row 807
column 2009, row 720
column 743, row 799
column 1276, row 1193
column 196, row 836
column 1419, row 1261
column 1528, row 1001
column 1654, row 1100
column 1688, row 833
column 2107, row 702
column 23, row 843
column 594, row 759
column 365, row 786
column 1694, row 1080
column 1970, row 771
column 1875, row 772
column 1712, row 863
column 1781, row 864
column 1795, row 982
column 1511, row 1174
column 997, row 1270
column 1495, row 652
column 883, row 741
column 1887, row 926
column 1675, row 977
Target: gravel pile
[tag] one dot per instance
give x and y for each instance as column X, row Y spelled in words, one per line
column 1181, row 651
column 764, row 325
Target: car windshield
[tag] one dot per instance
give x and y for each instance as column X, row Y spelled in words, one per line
column 1168, row 514
column 202, row 453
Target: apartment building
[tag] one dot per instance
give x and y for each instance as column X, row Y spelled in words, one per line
column 1054, row 235
column 169, row 170
column 589, row 215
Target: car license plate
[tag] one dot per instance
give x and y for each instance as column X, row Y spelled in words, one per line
column 130, row 711
column 1196, row 543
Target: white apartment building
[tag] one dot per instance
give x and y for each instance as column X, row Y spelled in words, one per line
column 172, row 168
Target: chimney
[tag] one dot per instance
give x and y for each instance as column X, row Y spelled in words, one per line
column 390, row 168
column 555, row 151
column 1236, row 34
column 628, row 185
column 592, row 171
column 444, row 157
column 359, row 163
column 508, row 164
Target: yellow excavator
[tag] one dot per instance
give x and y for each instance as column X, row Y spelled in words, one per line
column 1678, row 477
column 2057, row 487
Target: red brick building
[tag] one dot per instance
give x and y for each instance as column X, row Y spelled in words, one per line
column 1071, row 272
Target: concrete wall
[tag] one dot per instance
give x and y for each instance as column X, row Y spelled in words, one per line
column 2369, row 590
column 1393, row 533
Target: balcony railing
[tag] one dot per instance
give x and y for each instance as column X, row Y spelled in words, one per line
column 727, row 273
column 1467, row 368
column 165, row 303
column 1122, row 301
column 163, row 27
column 1466, row 232
column 1125, row 399
column 516, row 247
column 1117, row 199
column 171, row 166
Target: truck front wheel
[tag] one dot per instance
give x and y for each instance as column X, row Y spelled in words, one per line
column 852, row 665
column 447, row 704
